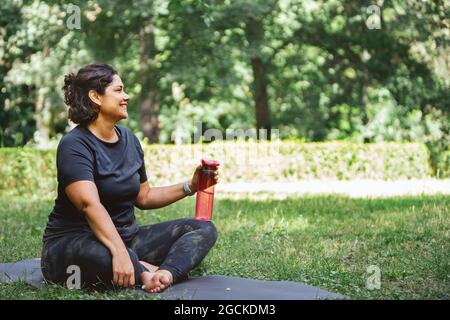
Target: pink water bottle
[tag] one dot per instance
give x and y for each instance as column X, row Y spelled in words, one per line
column 205, row 191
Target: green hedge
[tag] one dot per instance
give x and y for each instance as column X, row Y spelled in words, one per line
column 25, row 171
column 32, row 172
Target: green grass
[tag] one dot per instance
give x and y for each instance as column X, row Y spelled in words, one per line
column 325, row 241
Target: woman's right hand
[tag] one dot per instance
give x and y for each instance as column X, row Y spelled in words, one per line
column 123, row 270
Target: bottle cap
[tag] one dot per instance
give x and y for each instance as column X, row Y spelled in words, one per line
column 210, row 162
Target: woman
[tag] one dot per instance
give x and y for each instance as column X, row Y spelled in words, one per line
column 101, row 177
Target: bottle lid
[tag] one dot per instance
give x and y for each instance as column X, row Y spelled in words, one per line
column 210, row 162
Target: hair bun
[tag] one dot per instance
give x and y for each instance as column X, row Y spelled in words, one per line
column 69, row 90
column 69, row 79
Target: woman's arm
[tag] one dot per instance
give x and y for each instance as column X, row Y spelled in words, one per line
column 84, row 195
column 158, row 197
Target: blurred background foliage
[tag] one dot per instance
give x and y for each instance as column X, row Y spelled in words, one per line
column 316, row 70
column 32, row 173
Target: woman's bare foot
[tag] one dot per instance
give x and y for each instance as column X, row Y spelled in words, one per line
column 149, row 266
column 157, row 281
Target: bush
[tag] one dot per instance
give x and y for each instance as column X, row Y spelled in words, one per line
column 26, row 171
column 290, row 161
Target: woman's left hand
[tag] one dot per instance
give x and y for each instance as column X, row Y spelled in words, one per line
column 193, row 184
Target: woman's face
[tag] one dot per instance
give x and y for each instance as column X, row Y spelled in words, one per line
column 113, row 103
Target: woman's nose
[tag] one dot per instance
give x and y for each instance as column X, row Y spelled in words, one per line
column 127, row 97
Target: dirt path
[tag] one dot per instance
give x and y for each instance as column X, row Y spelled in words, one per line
column 352, row 188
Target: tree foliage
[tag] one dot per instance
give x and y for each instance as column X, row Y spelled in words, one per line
column 315, row 70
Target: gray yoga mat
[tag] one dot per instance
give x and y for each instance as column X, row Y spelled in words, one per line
column 213, row 287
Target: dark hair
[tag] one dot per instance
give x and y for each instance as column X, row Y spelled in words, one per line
column 95, row 76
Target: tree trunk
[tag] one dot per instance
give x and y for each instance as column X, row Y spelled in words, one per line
column 254, row 33
column 42, row 114
column 364, row 102
column 42, row 117
column 149, row 98
column 260, row 96
column 364, row 116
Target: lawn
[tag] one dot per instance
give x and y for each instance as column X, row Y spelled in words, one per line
column 325, row 241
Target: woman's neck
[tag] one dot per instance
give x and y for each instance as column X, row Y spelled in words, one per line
column 103, row 130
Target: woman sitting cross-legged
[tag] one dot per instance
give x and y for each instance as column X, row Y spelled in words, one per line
column 101, row 177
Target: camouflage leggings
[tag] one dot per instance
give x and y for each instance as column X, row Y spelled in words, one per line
column 177, row 246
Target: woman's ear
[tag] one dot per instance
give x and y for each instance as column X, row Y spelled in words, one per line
column 95, row 97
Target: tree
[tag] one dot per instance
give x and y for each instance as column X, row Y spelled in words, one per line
column 37, row 55
column 115, row 31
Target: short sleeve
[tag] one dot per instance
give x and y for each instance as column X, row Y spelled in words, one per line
column 74, row 161
column 141, row 171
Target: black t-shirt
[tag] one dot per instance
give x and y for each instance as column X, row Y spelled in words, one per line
column 116, row 168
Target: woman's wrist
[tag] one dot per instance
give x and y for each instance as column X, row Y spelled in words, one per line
column 115, row 252
column 192, row 186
